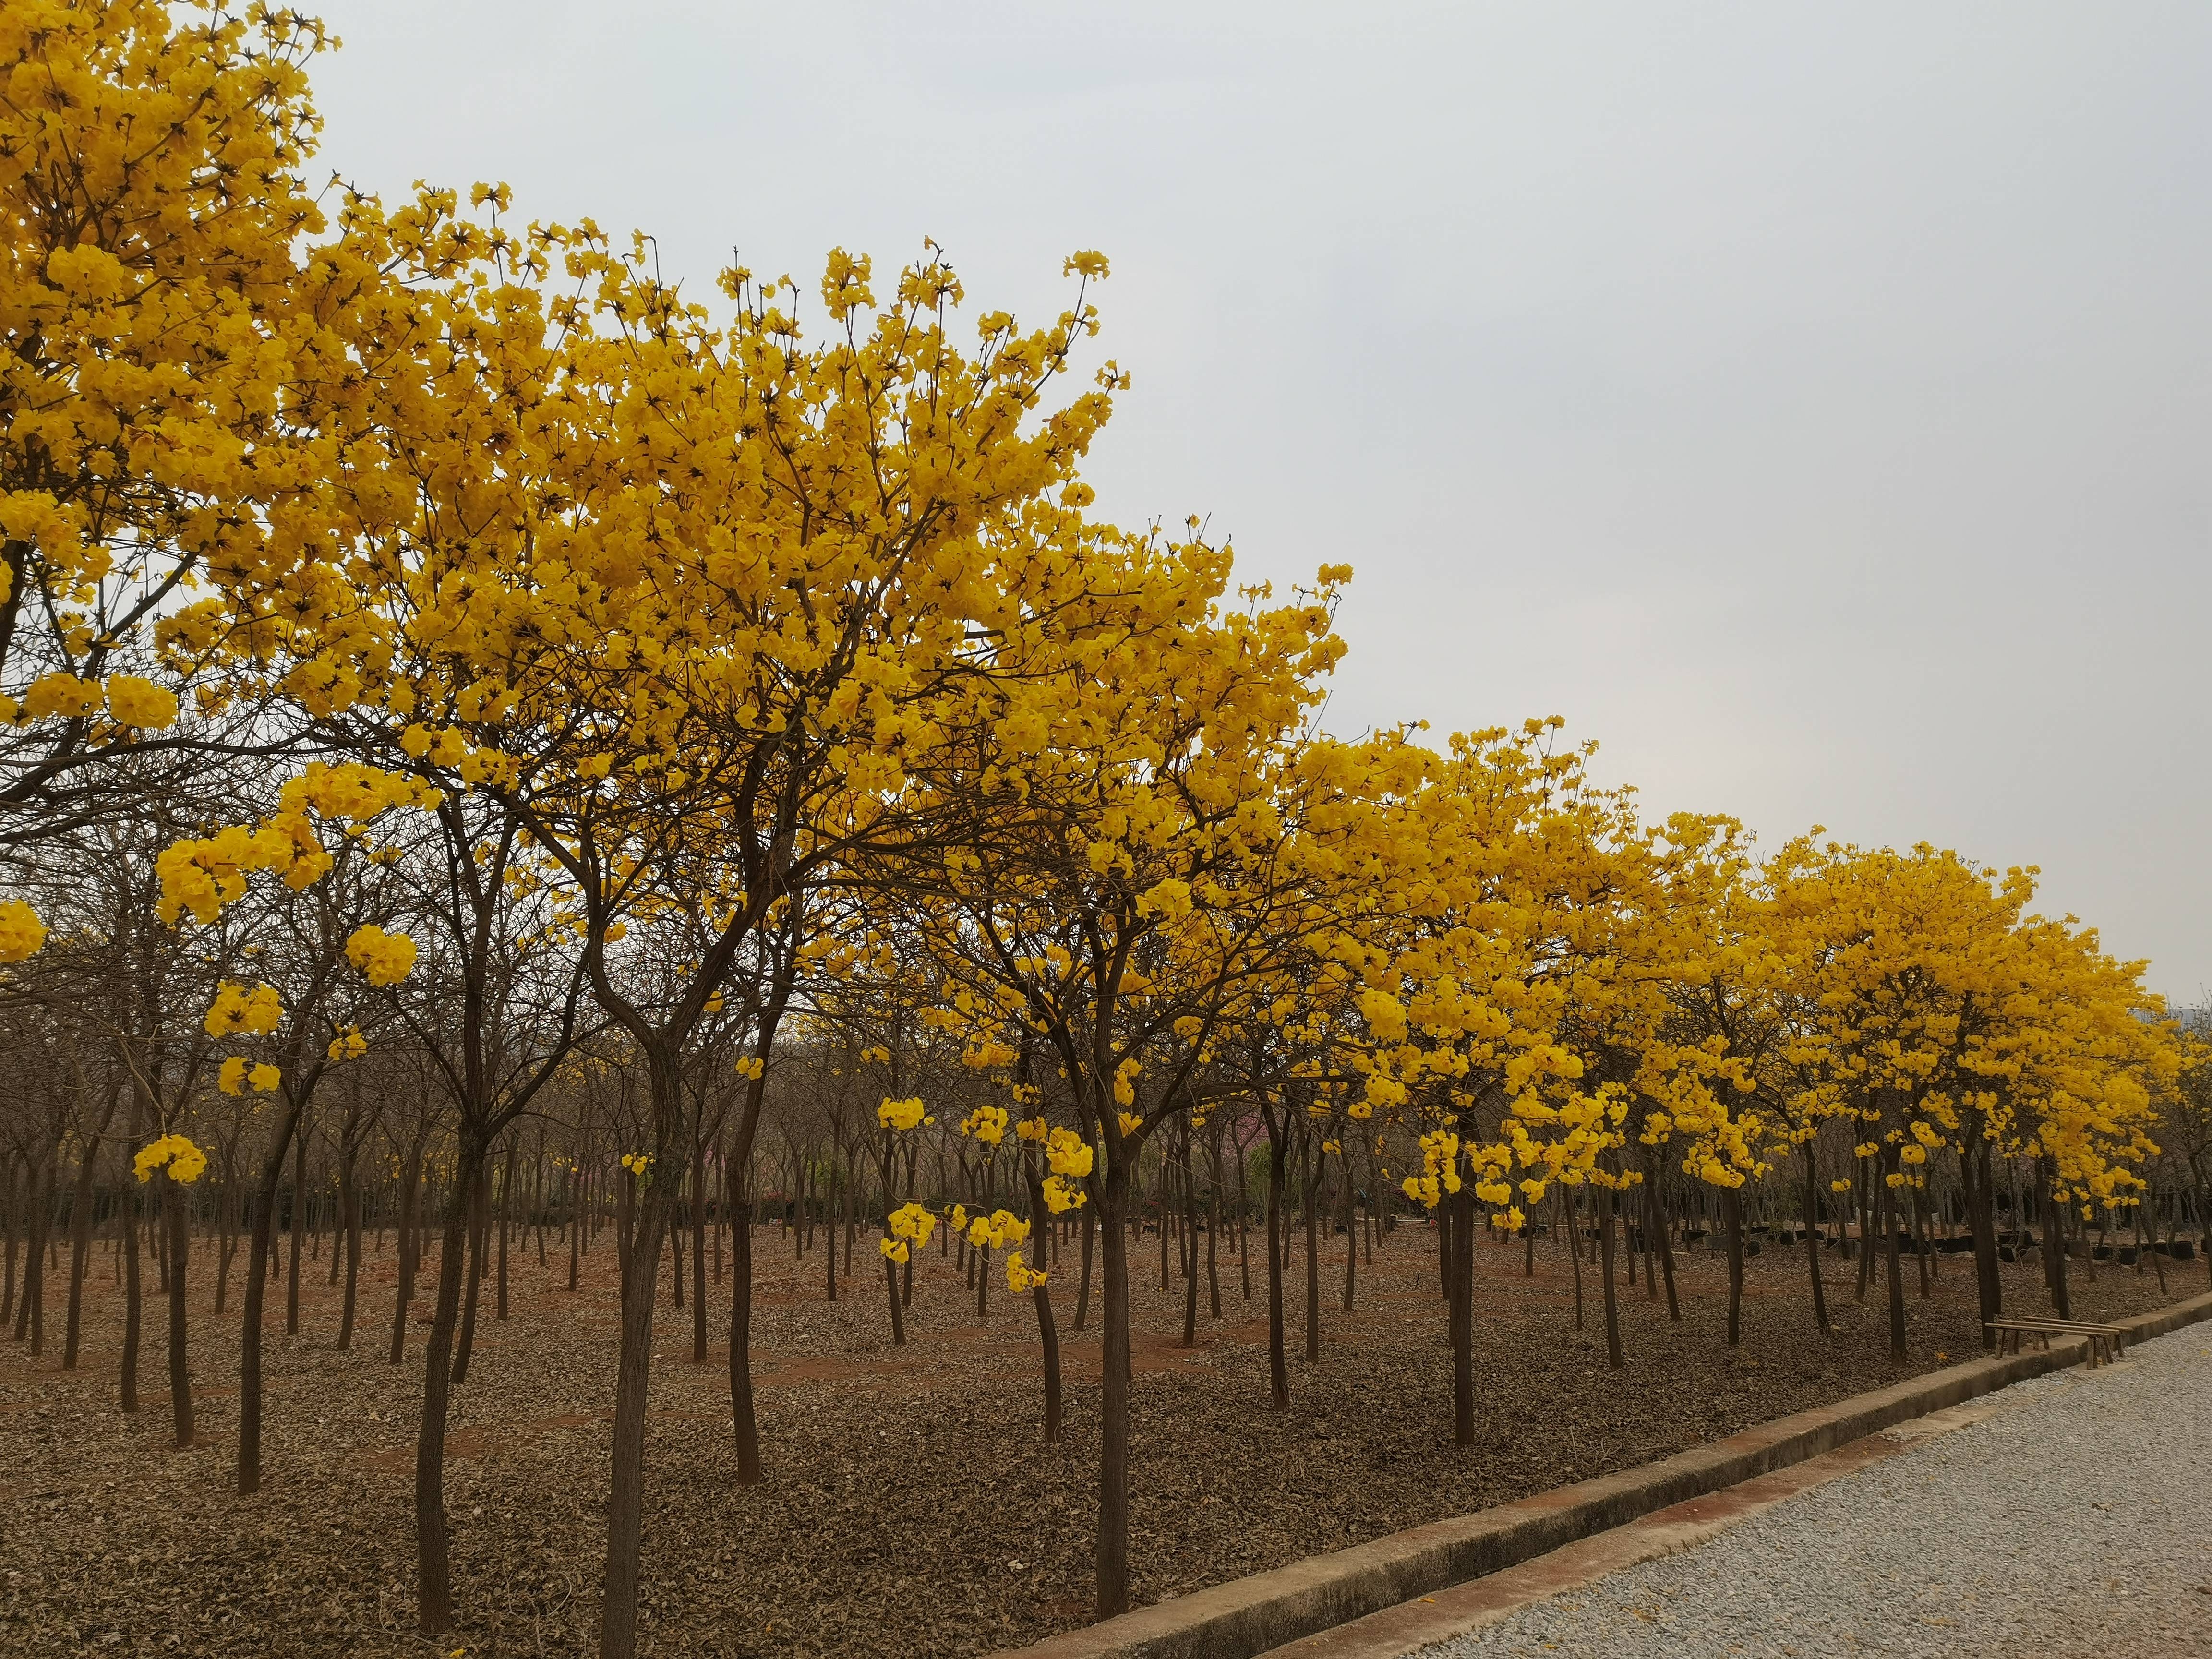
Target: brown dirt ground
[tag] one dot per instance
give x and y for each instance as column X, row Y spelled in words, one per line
column 910, row 1509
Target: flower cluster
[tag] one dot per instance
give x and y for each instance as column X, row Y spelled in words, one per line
column 185, row 1161
column 234, row 1077
column 910, row 1226
column 385, row 958
column 21, row 933
column 900, row 1114
column 237, row 1009
column 1000, row 1229
column 1440, row 1158
column 988, row 1124
column 1068, row 1153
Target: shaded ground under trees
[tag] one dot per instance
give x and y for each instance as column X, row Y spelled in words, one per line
column 911, row 1508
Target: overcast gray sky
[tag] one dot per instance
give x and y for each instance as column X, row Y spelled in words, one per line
column 1811, row 403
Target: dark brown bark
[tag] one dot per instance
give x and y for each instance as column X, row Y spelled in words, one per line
column 1613, row 1356
column 433, row 1541
column 299, row 1228
column 350, row 1224
column 1463, row 1314
column 1893, row 1261
column 409, row 1247
column 1313, row 1252
column 1732, row 1218
column 247, row 1473
column 1812, row 1236
column 1278, row 1370
column 747, row 1427
column 1112, row 1555
column 181, row 1373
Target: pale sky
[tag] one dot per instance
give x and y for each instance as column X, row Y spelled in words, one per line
column 1809, row 402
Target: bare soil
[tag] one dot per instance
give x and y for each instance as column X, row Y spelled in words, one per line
column 911, row 1508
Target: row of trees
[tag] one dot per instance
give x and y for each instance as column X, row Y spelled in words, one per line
column 451, row 673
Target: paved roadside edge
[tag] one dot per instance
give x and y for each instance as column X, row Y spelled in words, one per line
column 1249, row 1616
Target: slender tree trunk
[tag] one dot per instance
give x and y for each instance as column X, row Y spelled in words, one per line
column 1613, row 1356
column 80, row 1248
column 1892, row 1260
column 576, row 1231
column 746, row 1426
column 1813, row 1238
column 1189, row 1254
column 1662, row 1233
column 477, row 1202
column 1082, row 1285
column 633, row 1380
column 1463, row 1314
column 1244, row 1227
column 299, row 1227
column 1213, row 1228
column 1048, row 1325
column 181, row 1372
column 1732, row 1214
column 1112, row 1543
column 1350, row 1232
column 698, row 1253
column 1278, row 1369
column 432, row 1543
column 409, row 1248
column 248, row 1471
column 2056, row 1222
column 506, row 1217
column 132, row 1301
column 1573, row 1228
column 16, row 1216
column 1313, row 1255
column 349, row 1220
column 31, row 1311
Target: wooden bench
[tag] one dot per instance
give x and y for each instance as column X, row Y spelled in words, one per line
column 2107, row 1342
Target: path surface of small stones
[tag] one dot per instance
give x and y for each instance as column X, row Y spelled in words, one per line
column 2071, row 1522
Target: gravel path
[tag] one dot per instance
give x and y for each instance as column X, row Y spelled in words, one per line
column 2076, row 1520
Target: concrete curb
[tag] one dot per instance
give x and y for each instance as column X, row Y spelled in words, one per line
column 1248, row 1617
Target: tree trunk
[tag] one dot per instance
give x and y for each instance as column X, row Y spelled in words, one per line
column 350, row 1222
column 180, row 1374
column 477, row 1199
column 1893, row 1260
column 1048, row 1326
column 633, row 1380
column 249, row 1471
column 1613, row 1353
column 2055, row 1223
column 1350, row 1232
column 1463, row 1314
column 747, row 1427
column 505, row 1216
column 698, row 1253
column 299, row 1228
column 80, row 1248
column 1113, row 1543
column 409, row 1248
column 1573, row 1228
column 1278, row 1369
column 1082, row 1289
column 1190, row 1253
column 433, row 1544
column 1732, row 1213
column 132, row 1301
column 1313, row 1252
column 1813, row 1238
